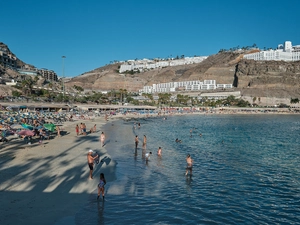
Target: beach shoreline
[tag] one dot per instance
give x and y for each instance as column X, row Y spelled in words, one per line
column 48, row 183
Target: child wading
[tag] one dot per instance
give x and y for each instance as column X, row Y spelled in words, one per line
column 101, row 186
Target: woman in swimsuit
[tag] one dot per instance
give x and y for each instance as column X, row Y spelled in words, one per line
column 101, row 186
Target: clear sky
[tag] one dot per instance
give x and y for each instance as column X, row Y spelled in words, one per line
column 93, row 33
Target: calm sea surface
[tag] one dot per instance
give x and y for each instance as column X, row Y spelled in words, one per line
column 246, row 171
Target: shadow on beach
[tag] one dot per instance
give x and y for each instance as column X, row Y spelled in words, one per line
column 48, row 181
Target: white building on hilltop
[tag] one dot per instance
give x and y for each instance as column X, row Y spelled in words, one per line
column 194, row 85
column 285, row 52
column 141, row 65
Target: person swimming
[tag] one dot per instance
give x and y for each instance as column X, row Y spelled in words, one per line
column 177, row 140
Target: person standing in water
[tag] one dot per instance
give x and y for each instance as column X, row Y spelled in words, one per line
column 101, row 186
column 136, row 140
column 102, row 139
column 144, row 142
column 189, row 166
column 147, row 156
column 159, row 151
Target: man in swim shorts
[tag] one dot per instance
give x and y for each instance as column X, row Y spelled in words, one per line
column 136, row 141
column 189, row 166
column 91, row 160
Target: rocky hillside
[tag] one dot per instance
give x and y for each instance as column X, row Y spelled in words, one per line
column 268, row 78
column 252, row 78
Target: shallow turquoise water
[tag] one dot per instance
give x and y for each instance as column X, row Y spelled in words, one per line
column 246, row 171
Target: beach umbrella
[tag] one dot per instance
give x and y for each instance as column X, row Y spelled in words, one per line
column 16, row 126
column 26, row 126
column 50, row 126
column 26, row 133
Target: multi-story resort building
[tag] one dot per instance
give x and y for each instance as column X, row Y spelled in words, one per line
column 195, row 85
column 285, row 52
column 147, row 64
column 7, row 59
column 48, row 74
column 45, row 73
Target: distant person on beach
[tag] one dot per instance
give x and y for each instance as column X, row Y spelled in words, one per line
column 58, row 131
column 91, row 159
column 139, row 125
column 77, row 130
column 93, row 129
column 84, row 129
column 101, row 186
column 147, row 156
column 189, row 166
column 159, row 151
column 81, row 128
column 102, row 138
column 144, row 142
column 136, row 140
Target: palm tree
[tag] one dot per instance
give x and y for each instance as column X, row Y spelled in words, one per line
column 27, row 86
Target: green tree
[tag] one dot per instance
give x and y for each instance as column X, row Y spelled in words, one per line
column 294, row 100
column 164, row 98
column 27, row 86
column 16, row 93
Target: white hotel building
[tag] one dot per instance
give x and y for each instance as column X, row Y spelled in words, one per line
column 141, row 65
column 285, row 52
column 195, row 85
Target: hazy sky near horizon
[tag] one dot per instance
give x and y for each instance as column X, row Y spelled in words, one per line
column 93, row 33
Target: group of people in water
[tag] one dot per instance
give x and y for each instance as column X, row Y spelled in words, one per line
column 189, row 160
column 91, row 157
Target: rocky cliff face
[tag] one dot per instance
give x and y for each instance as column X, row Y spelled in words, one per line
column 273, row 78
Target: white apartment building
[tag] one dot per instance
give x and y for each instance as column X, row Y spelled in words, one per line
column 194, row 85
column 285, row 52
column 141, row 65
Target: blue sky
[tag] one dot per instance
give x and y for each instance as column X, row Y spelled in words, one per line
column 92, row 33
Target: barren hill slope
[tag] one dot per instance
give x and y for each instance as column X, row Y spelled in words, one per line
column 265, row 78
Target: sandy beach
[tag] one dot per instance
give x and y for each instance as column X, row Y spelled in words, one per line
column 47, row 183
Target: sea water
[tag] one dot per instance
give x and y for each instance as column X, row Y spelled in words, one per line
column 246, row 171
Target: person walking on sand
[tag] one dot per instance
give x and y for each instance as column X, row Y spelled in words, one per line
column 102, row 138
column 159, row 151
column 101, row 186
column 144, row 142
column 91, row 159
column 77, row 130
column 136, row 140
column 58, row 131
column 189, row 166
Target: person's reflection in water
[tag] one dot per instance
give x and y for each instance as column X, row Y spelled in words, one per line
column 100, row 212
column 188, row 182
column 135, row 154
